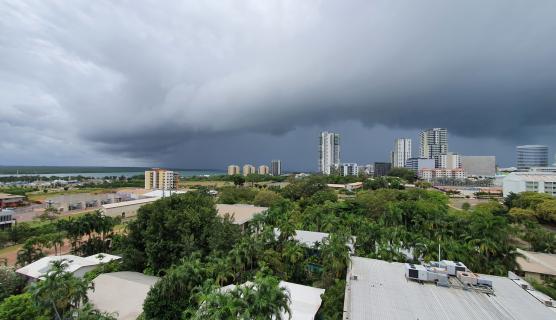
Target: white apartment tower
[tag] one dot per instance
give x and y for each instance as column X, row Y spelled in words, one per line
column 329, row 152
column 434, row 142
column 401, row 152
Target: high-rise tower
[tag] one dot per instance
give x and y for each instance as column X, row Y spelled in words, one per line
column 329, row 152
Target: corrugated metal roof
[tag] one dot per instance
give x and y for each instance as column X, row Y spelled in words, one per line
column 383, row 292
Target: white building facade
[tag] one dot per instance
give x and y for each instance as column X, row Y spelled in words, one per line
column 449, row 161
column 540, row 182
column 401, row 152
column 329, row 152
column 433, row 174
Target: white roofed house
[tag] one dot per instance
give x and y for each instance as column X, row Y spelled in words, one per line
column 78, row 266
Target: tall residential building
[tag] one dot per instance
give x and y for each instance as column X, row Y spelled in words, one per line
column 276, row 167
column 349, row 169
column 401, row 152
column 531, row 156
column 161, row 179
column 233, row 170
column 264, row 169
column 483, row 166
column 329, row 152
column 449, row 161
column 248, row 169
column 433, row 143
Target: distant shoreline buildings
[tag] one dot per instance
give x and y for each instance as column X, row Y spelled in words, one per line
column 275, row 169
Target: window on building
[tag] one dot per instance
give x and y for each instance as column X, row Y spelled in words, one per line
column 532, row 186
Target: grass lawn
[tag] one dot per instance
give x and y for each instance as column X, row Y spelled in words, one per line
column 41, row 196
column 216, row 184
column 10, row 249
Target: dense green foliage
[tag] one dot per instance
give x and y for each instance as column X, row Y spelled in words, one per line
column 537, row 206
column 231, row 195
column 194, row 251
column 266, row 198
column 261, row 299
column 22, row 307
column 10, row 282
column 175, row 227
column 89, row 233
column 404, row 173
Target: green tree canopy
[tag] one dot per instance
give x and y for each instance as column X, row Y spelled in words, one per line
column 172, row 228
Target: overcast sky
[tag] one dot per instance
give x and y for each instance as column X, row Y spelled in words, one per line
column 202, row 84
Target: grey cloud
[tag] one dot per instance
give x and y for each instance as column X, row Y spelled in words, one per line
column 137, row 80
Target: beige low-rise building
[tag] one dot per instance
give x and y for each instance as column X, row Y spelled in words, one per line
column 264, row 170
column 125, row 209
column 537, row 265
column 233, row 170
column 249, row 169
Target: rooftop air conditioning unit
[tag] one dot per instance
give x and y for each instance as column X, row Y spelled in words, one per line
column 415, row 272
column 524, row 286
column 548, row 303
column 354, row 277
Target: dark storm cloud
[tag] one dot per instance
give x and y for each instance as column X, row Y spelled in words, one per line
column 152, row 81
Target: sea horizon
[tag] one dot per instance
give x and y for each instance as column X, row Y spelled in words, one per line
column 92, row 171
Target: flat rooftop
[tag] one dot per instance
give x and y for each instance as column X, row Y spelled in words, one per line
column 128, row 203
column 241, row 213
column 537, row 262
column 121, row 292
column 74, row 263
column 381, row 291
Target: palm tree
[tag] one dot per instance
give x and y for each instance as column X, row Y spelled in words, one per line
column 59, row 290
column 335, row 256
column 221, row 271
column 262, row 299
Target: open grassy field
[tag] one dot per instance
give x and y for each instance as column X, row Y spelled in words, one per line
column 214, row 184
column 41, row 196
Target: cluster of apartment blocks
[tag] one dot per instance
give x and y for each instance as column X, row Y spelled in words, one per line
column 275, row 169
column 434, row 161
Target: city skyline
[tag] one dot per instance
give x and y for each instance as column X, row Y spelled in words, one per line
column 149, row 88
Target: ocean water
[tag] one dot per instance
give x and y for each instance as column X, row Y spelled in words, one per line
column 92, row 172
